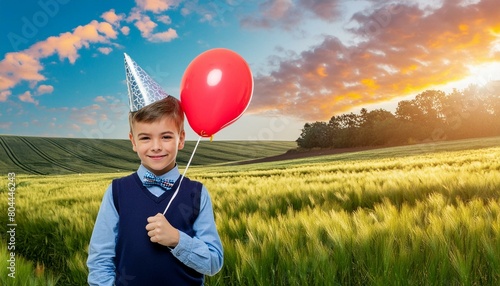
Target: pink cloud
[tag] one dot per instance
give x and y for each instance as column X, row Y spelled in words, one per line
column 164, row 19
column 89, row 115
column 88, row 119
column 16, row 67
column 112, row 18
column 276, row 9
column 288, row 14
column 166, row 36
column 105, row 50
column 66, row 45
column 26, row 66
column 28, row 97
column 125, row 30
column 100, row 99
column 75, row 127
column 5, row 125
column 402, row 50
column 156, row 6
column 4, row 95
column 146, row 26
column 43, row 89
column 325, row 10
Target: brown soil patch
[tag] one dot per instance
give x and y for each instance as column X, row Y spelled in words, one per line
column 296, row 154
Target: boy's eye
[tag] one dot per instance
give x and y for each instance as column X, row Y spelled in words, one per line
column 167, row 137
column 143, row 138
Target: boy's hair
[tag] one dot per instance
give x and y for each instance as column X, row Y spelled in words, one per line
column 169, row 106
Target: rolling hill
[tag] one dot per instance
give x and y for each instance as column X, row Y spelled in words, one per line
column 46, row 155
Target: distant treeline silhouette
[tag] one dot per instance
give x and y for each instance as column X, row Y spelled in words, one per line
column 432, row 116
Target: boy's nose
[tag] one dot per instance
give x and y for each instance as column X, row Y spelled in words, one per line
column 156, row 146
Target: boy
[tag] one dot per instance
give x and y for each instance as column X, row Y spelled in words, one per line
column 133, row 243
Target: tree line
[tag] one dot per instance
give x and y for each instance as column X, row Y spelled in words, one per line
column 431, row 116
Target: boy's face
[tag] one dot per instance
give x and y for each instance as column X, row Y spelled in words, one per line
column 157, row 144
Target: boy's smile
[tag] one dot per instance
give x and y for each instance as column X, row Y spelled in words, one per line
column 157, row 157
column 157, row 144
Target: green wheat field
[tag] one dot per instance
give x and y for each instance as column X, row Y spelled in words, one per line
column 414, row 215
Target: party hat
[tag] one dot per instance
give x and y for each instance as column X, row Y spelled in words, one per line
column 142, row 89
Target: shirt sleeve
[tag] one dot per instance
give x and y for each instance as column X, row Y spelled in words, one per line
column 203, row 252
column 102, row 243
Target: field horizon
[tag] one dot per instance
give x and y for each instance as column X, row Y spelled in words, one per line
column 57, row 155
column 34, row 155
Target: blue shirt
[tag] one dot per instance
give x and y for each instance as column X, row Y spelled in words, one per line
column 203, row 252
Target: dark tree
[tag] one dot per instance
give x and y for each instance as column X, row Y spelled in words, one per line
column 313, row 135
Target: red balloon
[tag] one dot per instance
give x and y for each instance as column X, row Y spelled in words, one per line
column 216, row 89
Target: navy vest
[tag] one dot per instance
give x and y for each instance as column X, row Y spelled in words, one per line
column 139, row 261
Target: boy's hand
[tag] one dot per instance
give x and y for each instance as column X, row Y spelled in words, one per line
column 161, row 231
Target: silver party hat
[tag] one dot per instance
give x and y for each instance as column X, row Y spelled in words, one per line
column 142, row 89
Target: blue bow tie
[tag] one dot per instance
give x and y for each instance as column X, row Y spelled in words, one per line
column 151, row 179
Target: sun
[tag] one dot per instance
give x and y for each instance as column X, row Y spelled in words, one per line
column 483, row 74
column 479, row 75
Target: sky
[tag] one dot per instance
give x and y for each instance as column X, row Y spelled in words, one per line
column 62, row 65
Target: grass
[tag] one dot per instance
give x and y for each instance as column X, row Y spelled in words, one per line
column 394, row 216
column 25, row 272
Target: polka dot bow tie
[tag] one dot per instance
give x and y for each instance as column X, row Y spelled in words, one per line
column 151, row 179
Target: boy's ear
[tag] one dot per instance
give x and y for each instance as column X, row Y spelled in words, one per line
column 182, row 137
column 131, row 137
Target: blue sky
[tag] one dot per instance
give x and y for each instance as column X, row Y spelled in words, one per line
column 62, row 72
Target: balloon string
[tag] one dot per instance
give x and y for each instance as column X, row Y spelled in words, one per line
column 182, row 177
